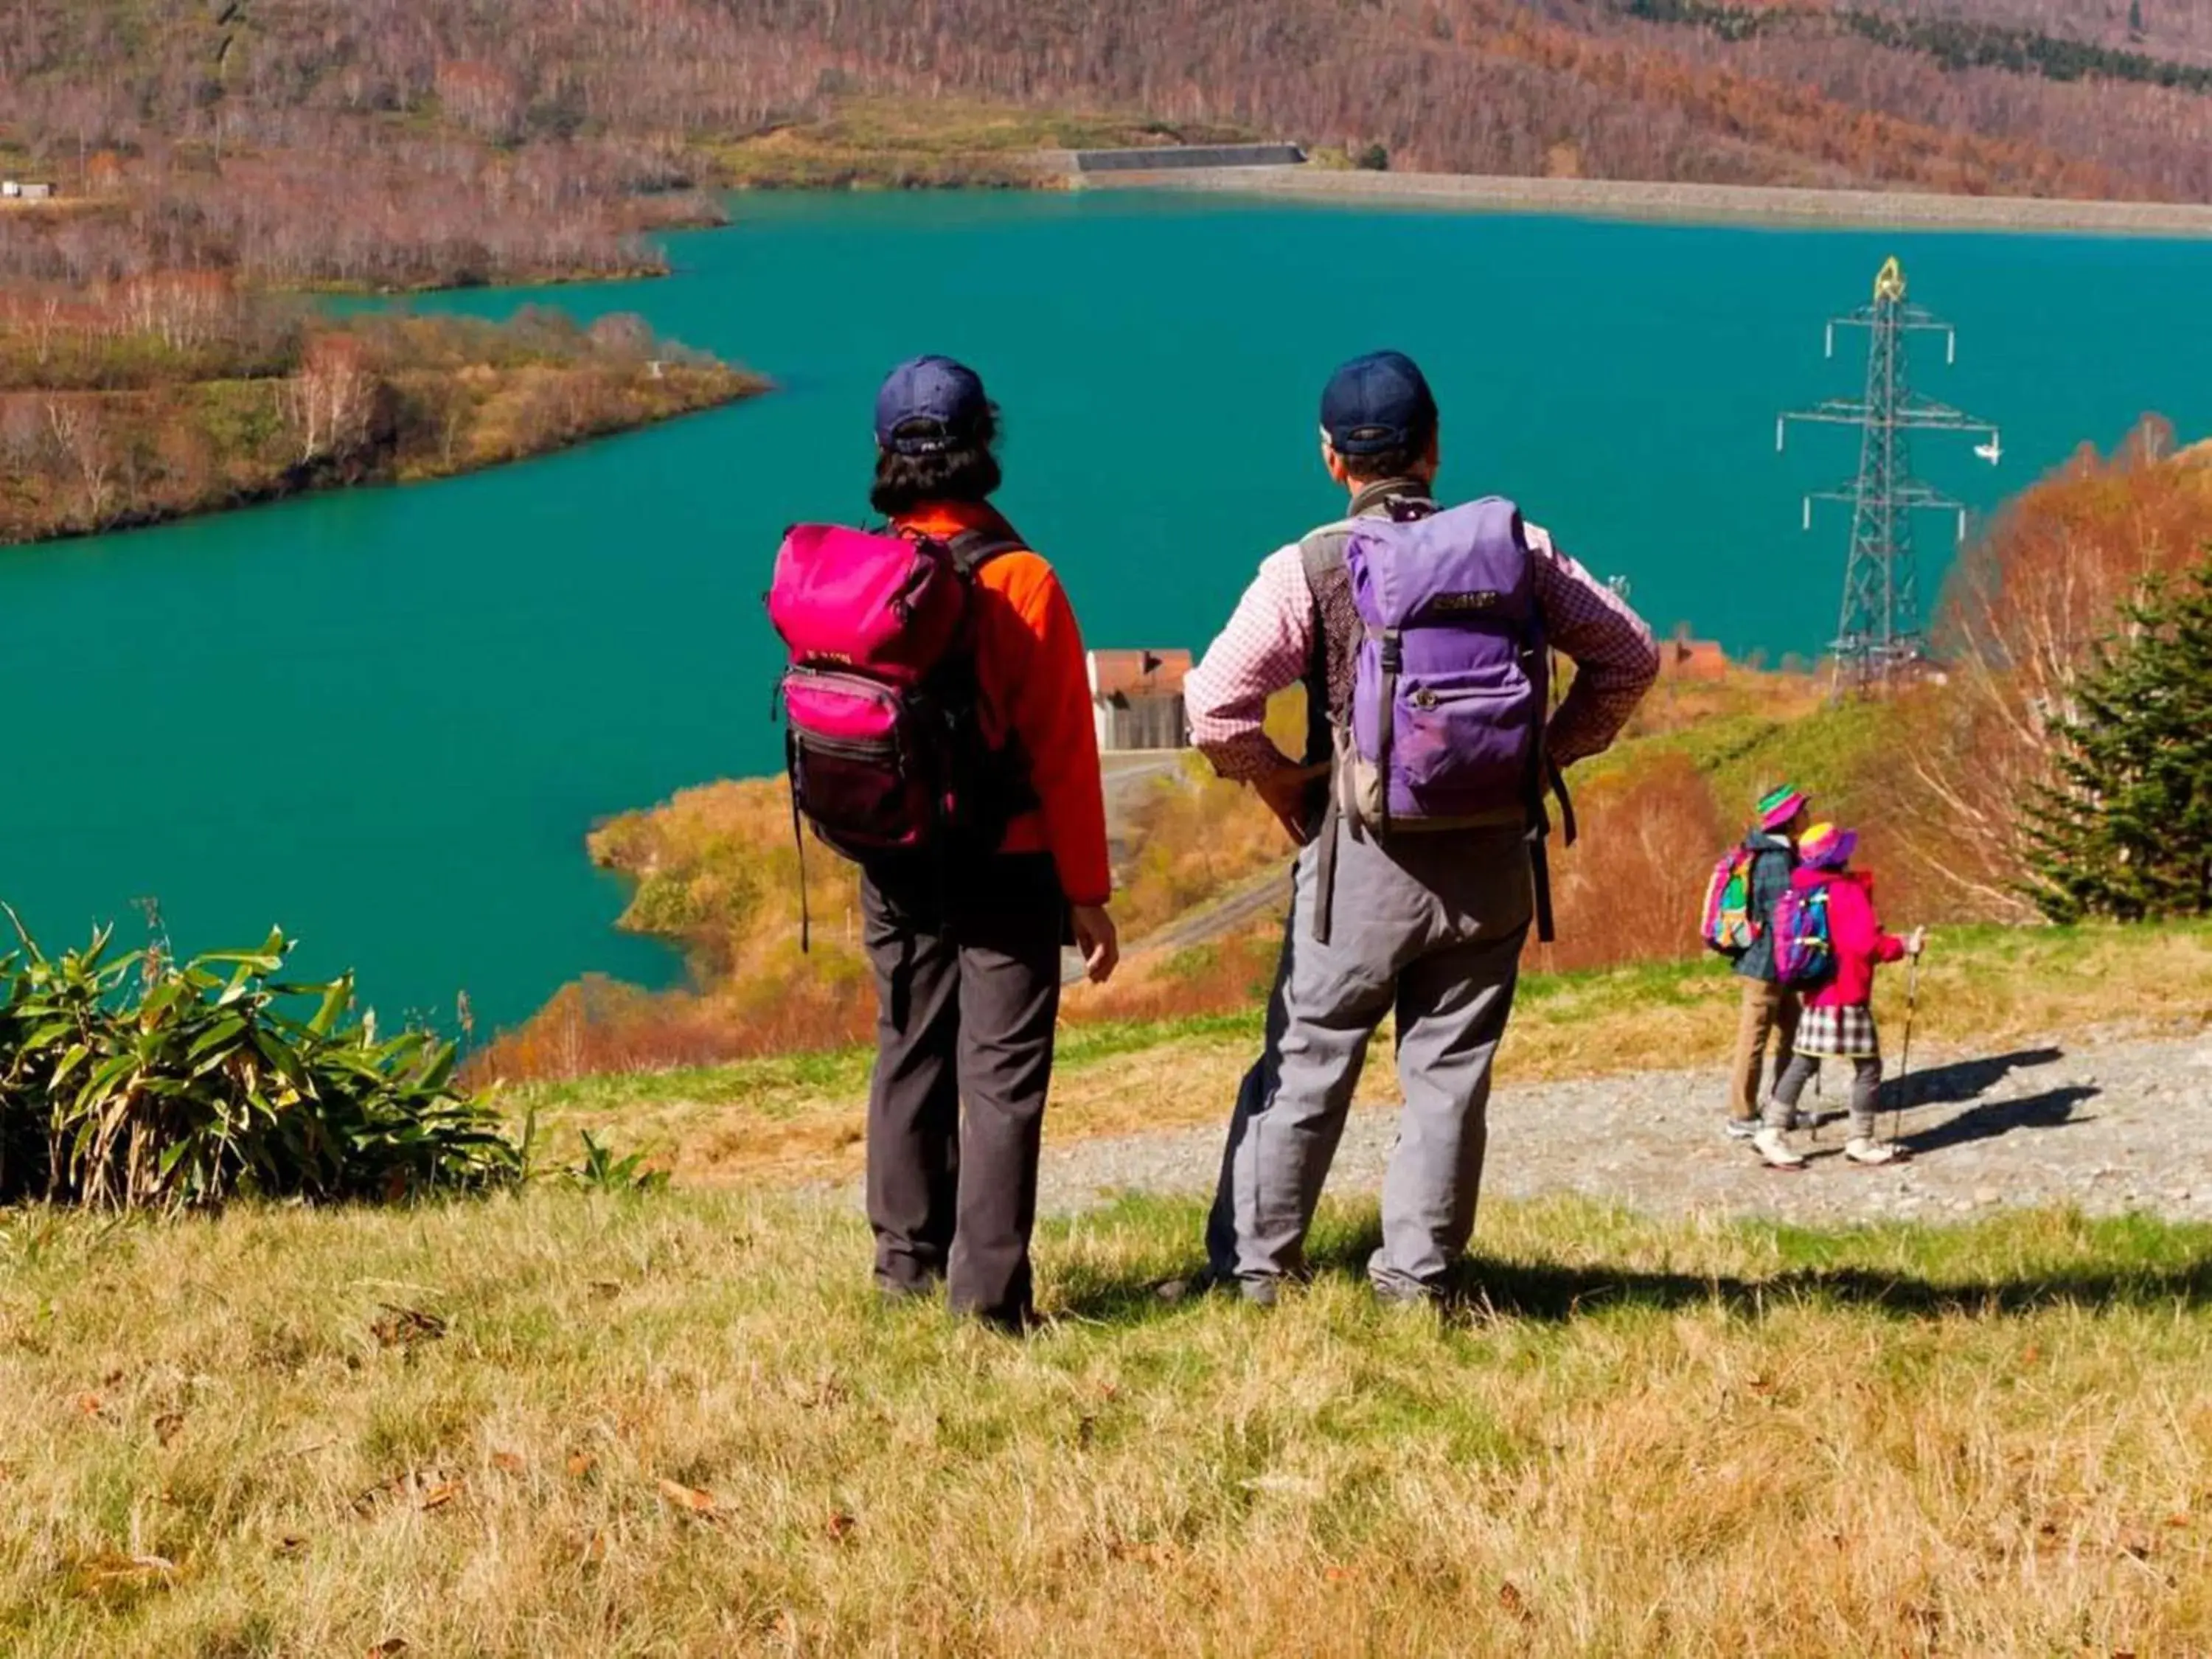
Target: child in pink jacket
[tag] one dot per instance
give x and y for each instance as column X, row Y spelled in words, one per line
column 1839, row 1018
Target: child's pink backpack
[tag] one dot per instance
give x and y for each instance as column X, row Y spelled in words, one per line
column 884, row 735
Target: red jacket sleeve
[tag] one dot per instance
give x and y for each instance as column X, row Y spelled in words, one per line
column 1031, row 657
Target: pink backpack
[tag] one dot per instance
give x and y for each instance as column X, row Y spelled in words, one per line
column 884, row 735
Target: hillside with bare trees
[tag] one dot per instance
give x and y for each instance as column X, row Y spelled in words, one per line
column 379, row 143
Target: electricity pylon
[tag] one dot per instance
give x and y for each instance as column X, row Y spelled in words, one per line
column 1878, row 635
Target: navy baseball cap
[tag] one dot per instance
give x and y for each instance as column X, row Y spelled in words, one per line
column 930, row 404
column 1377, row 403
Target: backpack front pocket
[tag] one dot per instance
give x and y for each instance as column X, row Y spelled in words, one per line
column 854, row 770
column 1462, row 744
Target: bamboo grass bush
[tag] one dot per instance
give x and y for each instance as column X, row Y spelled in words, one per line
column 136, row 1081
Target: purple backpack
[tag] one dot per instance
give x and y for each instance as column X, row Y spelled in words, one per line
column 1450, row 685
column 1447, row 700
column 1804, row 939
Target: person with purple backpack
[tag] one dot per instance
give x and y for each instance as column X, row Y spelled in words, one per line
column 1422, row 636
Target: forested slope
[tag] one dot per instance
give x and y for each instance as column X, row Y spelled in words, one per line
column 519, row 109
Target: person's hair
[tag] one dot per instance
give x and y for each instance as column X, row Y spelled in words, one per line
column 1404, row 462
column 966, row 471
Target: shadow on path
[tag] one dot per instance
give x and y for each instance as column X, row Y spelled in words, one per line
column 2052, row 1110
column 1964, row 1080
column 1967, row 1080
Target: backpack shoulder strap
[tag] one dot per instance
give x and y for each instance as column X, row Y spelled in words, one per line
column 1322, row 551
column 972, row 549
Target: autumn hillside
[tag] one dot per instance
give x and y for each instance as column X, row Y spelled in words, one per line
column 313, row 139
column 1936, row 776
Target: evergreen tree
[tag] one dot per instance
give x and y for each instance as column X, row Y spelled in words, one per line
column 2126, row 829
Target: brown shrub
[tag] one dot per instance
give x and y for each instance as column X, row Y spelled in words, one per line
column 599, row 1026
column 2022, row 611
column 1223, row 976
column 1191, row 840
column 1629, row 891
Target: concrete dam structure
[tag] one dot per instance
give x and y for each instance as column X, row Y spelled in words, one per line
column 1175, row 157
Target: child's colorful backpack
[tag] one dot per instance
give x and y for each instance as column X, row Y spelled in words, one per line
column 1730, row 925
column 1804, row 942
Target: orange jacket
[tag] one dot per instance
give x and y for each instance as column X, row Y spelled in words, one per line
column 1036, row 686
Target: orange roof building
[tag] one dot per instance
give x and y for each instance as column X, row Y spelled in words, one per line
column 1136, row 698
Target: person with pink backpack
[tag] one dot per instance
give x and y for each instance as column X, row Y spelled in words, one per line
column 939, row 732
column 1827, row 943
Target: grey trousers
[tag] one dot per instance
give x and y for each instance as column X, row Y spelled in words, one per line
column 1429, row 926
column 1866, row 1091
column 967, row 971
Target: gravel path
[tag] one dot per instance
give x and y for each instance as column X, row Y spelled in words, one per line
column 2121, row 1126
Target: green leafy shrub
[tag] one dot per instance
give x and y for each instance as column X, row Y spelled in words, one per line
column 601, row 1171
column 137, row 1081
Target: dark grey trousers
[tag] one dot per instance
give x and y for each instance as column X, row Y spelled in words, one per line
column 967, row 970
column 1429, row 927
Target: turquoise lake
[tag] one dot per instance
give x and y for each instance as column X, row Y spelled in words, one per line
column 386, row 718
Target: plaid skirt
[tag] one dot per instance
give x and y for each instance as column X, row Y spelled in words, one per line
column 1839, row 1033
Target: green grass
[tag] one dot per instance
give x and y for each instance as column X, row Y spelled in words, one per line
column 1740, row 754
column 680, row 1426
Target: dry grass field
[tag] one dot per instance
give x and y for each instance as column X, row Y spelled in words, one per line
column 590, row 1423
column 678, row 1424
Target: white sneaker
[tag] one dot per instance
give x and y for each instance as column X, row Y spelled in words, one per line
column 1743, row 1128
column 1771, row 1145
column 1863, row 1151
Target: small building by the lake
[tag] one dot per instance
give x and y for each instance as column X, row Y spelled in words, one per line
column 26, row 190
column 1136, row 699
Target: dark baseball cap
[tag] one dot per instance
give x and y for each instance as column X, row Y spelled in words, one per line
column 930, row 404
column 1377, row 403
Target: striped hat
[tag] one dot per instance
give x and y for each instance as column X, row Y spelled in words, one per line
column 1825, row 847
column 1779, row 807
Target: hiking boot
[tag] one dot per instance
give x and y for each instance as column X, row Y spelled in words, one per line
column 1864, row 1150
column 1771, row 1145
column 1743, row 1128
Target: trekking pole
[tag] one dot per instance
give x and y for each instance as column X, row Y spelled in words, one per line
column 1819, row 1103
column 1904, row 1058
